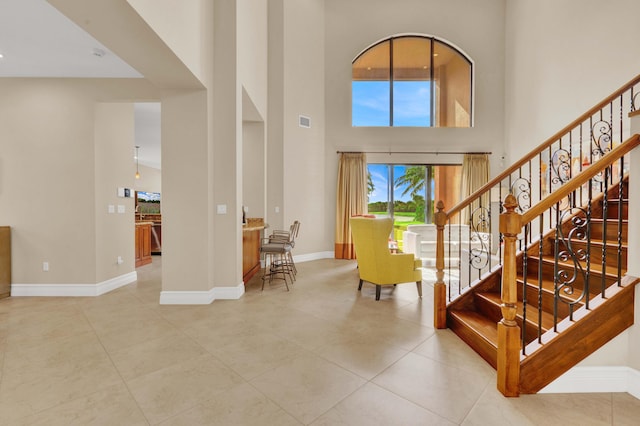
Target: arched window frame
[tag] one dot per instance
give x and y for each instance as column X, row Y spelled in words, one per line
column 433, row 95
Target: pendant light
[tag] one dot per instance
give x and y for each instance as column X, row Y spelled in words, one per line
column 137, row 172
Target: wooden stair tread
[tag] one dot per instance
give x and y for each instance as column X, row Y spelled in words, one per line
column 532, row 311
column 480, row 324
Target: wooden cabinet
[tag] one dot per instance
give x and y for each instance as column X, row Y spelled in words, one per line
column 251, row 238
column 156, row 238
column 5, row 261
column 143, row 243
column 250, row 253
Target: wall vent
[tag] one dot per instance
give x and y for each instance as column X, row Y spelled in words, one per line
column 304, row 121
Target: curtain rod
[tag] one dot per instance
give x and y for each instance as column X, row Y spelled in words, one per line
column 411, row 152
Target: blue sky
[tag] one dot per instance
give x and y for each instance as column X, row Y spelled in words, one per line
column 148, row 196
column 380, row 178
column 411, row 103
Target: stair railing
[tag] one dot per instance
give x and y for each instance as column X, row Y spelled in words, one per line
column 572, row 267
column 469, row 243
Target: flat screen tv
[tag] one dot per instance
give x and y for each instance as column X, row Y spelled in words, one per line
column 148, row 202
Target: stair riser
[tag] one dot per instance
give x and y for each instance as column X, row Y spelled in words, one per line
column 548, row 271
column 613, row 208
column 611, row 255
column 598, row 229
column 477, row 343
column 547, row 299
column 488, row 308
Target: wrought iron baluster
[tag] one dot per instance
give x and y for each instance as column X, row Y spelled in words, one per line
column 556, row 250
column 525, row 279
column 605, row 216
column 621, row 198
column 540, row 286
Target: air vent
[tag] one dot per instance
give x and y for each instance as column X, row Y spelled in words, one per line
column 304, row 121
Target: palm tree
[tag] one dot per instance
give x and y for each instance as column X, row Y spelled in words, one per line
column 370, row 186
column 414, row 179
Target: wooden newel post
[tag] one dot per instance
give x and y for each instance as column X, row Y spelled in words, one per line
column 508, row 330
column 439, row 288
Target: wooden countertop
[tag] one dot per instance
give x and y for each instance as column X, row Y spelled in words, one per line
column 253, row 224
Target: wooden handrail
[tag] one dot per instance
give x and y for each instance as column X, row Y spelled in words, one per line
column 515, row 166
column 581, row 178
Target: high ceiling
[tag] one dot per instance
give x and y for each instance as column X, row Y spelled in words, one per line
column 36, row 40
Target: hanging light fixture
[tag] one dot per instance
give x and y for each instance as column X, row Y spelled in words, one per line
column 137, row 172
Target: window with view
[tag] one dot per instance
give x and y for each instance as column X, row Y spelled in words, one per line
column 412, row 81
column 408, row 192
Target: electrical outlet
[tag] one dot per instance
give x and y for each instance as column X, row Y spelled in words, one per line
column 45, row 266
column 120, row 261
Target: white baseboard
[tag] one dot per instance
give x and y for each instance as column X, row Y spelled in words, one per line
column 597, row 379
column 201, row 297
column 73, row 290
column 229, row 293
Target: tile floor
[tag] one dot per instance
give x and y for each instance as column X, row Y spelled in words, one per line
column 321, row 354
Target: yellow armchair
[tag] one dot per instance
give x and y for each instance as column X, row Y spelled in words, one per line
column 376, row 264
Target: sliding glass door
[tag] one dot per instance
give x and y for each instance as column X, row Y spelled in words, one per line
column 408, row 192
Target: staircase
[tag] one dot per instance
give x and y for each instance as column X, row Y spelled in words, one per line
column 582, row 319
column 550, row 286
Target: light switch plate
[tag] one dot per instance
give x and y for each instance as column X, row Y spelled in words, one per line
column 222, row 209
column 120, row 208
column 111, row 208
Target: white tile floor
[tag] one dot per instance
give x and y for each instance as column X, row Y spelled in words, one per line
column 321, row 354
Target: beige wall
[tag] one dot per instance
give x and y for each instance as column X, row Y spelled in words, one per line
column 252, row 51
column 179, row 24
column 54, row 190
column 556, row 74
column 275, row 124
column 186, row 190
column 295, row 156
column 150, row 179
column 114, row 166
column 48, row 180
column 253, row 168
column 477, row 28
column 304, row 176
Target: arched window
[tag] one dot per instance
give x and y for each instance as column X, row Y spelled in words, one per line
column 412, row 81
